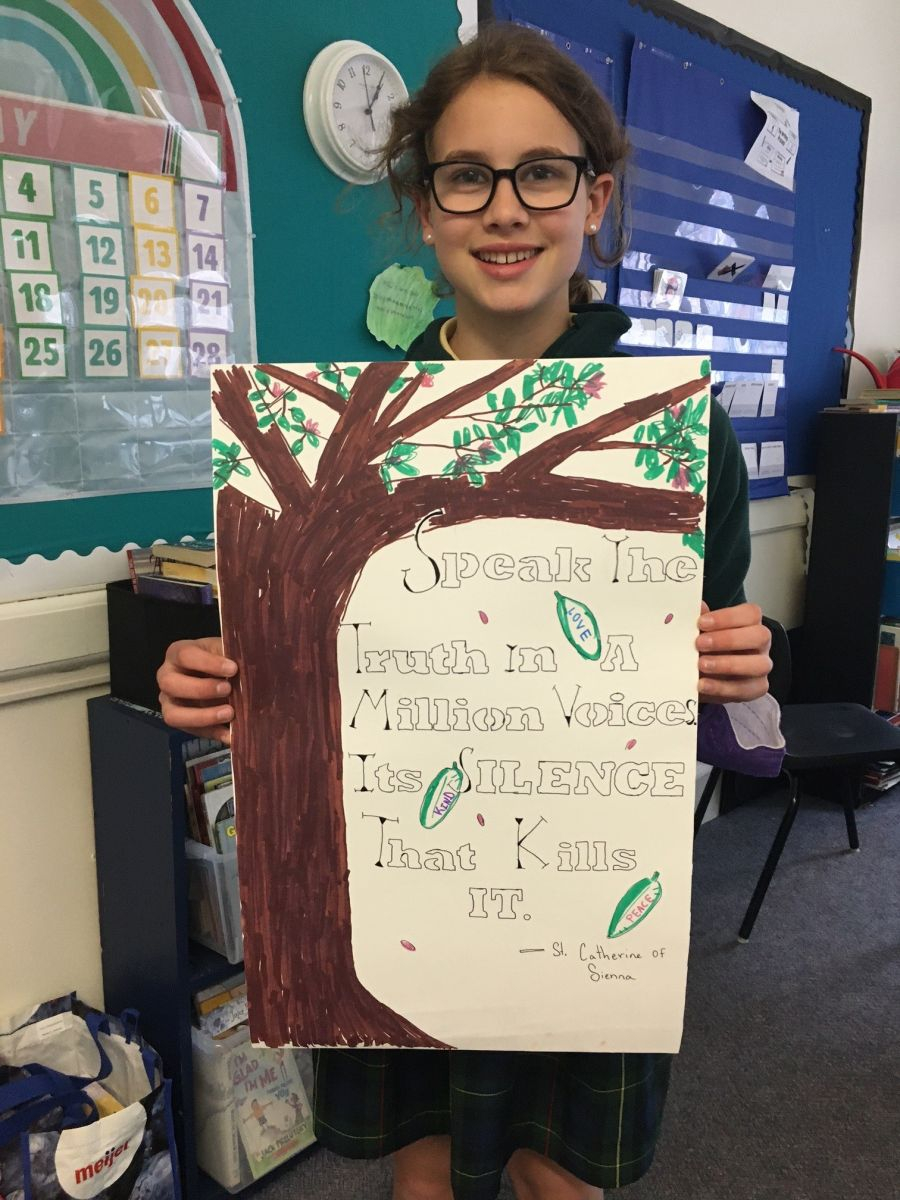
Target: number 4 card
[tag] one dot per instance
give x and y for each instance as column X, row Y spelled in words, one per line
column 27, row 187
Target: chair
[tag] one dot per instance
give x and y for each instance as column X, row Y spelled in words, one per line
column 835, row 737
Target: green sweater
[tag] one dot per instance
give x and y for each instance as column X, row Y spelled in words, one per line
column 594, row 333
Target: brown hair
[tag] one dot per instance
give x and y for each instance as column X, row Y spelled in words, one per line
column 508, row 51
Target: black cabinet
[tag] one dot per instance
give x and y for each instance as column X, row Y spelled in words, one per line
column 850, row 584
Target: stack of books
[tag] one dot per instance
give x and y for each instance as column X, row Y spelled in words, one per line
column 209, row 798
column 874, row 400
column 183, row 571
column 880, row 776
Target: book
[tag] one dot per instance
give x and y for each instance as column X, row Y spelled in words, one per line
column 887, row 672
column 217, row 805
column 140, row 562
column 185, row 591
column 272, row 1109
column 201, row 553
column 204, row 776
column 226, row 835
column 188, row 571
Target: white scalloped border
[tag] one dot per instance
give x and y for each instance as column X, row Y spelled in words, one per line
column 70, row 572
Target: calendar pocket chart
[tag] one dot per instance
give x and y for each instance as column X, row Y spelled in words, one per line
column 118, row 289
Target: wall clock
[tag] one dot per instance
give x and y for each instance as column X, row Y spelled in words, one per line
column 348, row 95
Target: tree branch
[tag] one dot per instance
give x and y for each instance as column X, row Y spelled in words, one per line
column 397, row 405
column 549, row 454
column 445, row 406
column 349, row 443
column 267, row 447
column 309, row 387
column 595, row 502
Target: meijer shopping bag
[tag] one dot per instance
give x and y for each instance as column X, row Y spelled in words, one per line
column 84, row 1108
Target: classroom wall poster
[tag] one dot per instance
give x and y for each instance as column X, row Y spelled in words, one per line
column 464, row 599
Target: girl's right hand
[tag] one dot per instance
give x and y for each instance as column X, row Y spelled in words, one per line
column 194, row 688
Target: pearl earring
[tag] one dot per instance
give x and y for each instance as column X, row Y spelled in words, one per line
column 592, row 228
column 428, row 237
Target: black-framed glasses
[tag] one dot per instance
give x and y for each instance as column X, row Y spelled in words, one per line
column 539, row 183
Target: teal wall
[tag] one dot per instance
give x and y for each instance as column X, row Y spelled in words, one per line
column 319, row 242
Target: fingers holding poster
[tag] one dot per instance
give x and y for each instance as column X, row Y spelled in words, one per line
column 465, row 609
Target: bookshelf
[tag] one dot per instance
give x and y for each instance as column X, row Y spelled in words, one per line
column 148, row 961
column 850, row 583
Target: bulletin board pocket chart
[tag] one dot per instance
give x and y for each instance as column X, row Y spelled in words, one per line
column 113, row 316
column 121, row 146
column 744, row 193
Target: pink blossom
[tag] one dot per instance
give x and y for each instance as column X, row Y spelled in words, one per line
column 682, row 480
column 313, row 375
column 277, row 389
column 593, row 387
column 427, row 381
column 311, row 427
column 676, row 411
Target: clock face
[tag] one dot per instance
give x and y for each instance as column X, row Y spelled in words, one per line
column 365, row 89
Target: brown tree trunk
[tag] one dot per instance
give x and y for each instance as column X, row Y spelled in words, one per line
column 303, row 987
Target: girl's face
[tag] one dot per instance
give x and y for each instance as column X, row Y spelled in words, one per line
column 502, row 123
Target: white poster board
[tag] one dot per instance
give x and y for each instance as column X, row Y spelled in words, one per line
column 466, row 715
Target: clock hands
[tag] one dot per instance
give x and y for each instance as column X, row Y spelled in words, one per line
column 368, row 111
column 376, row 92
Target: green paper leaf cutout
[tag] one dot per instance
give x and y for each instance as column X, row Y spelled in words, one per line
column 579, row 625
column 441, row 797
column 637, row 903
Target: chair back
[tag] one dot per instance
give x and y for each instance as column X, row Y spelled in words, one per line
column 780, row 653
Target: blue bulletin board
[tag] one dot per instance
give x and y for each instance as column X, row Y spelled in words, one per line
column 763, row 271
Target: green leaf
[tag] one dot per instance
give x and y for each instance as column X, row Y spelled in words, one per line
column 262, row 407
column 567, row 375
column 265, row 422
column 551, row 372
column 654, row 433
column 513, row 440
column 241, row 469
column 529, row 428
column 397, row 385
column 529, row 383
column 457, row 439
column 589, row 370
column 262, row 377
column 298, row 414
column 541, row 414
column 312, row 439
column 475, row 477
column 571, row 416
column 497, row 435
column 220, row 446
column 289, row 397
column 405, row 468
column 705, row 367
column 491, row 400
column 466, row 436
column 297, row 447
column 434, row 368
column 509, row 399
column 323, row 366
column 654, row 472
column 330, row 376
column 480, row 435
column 694, row 541
column 639, row 433
column 254, row 395
column 343, row 391
column 352, row 371
column 283, row 423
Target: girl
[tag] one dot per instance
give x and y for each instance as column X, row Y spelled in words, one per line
column 510, row 158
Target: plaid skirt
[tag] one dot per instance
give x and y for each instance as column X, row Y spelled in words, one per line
column 597, row 1115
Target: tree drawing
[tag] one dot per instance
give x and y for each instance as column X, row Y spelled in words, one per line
column 355, row 458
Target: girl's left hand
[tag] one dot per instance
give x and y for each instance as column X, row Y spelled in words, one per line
column 734, row 654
